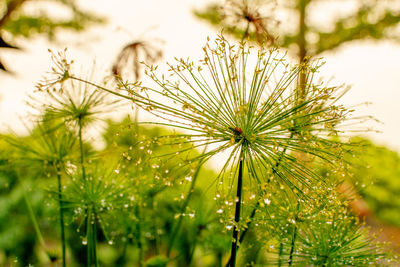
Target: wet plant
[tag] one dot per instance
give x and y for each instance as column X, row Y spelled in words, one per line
column 75, row 107
column 251, row 111
column 49, row 150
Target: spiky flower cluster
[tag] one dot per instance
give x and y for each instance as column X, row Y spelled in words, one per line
column 258, row 116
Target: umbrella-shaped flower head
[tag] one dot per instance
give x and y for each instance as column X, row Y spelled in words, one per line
column 249, row 108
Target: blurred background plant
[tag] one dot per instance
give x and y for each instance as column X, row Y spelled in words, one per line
column 294, row 25
column 26, row 18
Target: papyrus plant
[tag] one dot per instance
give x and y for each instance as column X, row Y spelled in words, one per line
column 248, row 110
column 74, row 107
column 50, row 149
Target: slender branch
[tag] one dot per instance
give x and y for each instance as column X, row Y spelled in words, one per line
column 253, row 212
column 91, row 231
column 94, row 243
column 139, row 237
column 82, row 156
column 294, row 236
column 280, row 254
column 185, row 204
column 302, row 5
column 232, row 260
column 61, row 209
column 33, row 218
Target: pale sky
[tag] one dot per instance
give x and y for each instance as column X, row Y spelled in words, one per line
column 372, row 69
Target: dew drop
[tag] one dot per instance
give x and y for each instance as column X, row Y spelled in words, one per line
column 267, row 201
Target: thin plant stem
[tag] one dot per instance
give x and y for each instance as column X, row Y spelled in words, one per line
column 292, row 245
column 33, row 218
column 88, row 239
column 280, row 254
column 61, row 209
column 302, row 46
column 186, row 203
column 82, row 153
column 91, row 236
column 154, row 226
column 90, row 226
column 183, row 208
column 246, row 31
column 139, row 237
column 188, row 263
column 232, row 260
column 253, row 212
column 94, row 242
column 294, row 237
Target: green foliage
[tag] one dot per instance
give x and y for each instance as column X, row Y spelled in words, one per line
column 376, row 175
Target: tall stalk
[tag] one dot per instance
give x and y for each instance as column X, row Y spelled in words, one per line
column 82, row 155
column 34, row 221
column 183, row 207
column 232, row 260
column 253, row 212
column 295, row 229
column 91, row 234
column 302, row 5
column 139, row 237
column 61, row 209
column 280, row 253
